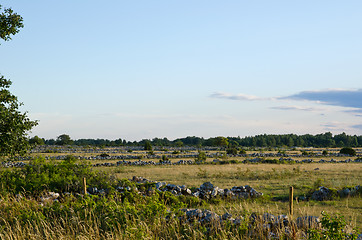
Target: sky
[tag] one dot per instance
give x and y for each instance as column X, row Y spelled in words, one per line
column 159, row 68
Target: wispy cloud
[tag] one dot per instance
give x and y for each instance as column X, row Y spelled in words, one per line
column 240, row 97
column 335, row 97
column 346, row 98
column 356, row 112
column 336, row 126
column 358, row 126
column 299, row 108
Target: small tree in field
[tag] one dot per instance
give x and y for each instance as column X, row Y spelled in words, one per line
column 35, row 141
column 64, row 139
column 148, row 146
column 201, row 157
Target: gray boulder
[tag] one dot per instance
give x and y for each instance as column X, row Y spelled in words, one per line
column 207, row 186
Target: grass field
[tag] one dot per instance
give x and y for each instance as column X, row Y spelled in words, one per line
column 273, row 180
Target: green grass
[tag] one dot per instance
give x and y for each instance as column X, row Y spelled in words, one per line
column 273, row 180
column 134, row 216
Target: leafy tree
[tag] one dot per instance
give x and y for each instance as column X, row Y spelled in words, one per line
column 148, row 146
column 36, row 141
column 64, row 139
column 232, row 151
column 221, row 141
column 10, row 23
column 14, row 125
column 201, row 157
column 179, row 143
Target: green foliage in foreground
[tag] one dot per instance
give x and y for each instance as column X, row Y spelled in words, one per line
column 124, row 214
column 14, row 125
column 42, row 175
column 333, row 227
column 133, row 216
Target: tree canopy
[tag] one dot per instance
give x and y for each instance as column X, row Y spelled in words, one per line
column 64, row 139
column 14, row 125
column 10, row 23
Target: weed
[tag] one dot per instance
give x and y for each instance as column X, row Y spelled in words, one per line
column 332, row 228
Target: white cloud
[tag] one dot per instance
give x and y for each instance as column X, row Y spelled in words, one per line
column 240, row 97
column 299, row 108
column 345, row 98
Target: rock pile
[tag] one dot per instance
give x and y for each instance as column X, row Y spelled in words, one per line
column 324, row 193
column 345, row 192
column 13, row 164
column 207, row 216
column 268, row 221
column 308, row 222
column 206, row 191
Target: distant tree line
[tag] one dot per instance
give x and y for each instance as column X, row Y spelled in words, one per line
column 326, row 140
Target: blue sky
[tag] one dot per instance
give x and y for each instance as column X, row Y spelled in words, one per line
column 145, row 69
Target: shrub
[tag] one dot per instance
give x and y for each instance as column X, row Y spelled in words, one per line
column 41, row 175
column 332, row 228
column 242, row 151
column 201, row 157
column 232, row 151
column 104, row 155
column 348, row 150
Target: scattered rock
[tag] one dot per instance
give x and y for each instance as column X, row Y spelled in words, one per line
column 207, row 186
column 206, row 191
column 308, row 222
column 321, row 194
column 49, row 198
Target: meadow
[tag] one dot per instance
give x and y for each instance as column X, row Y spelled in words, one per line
column 273, row 180
column 140, row 212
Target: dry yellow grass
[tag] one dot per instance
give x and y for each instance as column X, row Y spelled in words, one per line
column 271, row 179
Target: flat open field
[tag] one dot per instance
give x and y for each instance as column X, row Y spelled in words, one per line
column 273, row 180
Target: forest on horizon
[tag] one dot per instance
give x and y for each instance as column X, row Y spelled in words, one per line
column 325, row 140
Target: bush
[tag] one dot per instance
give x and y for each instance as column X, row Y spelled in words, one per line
column 348, row 150
column 104, row 155
column 242, row 151
column 201, row 157
column 41, row 175
column 232, row 151
column 332, row 228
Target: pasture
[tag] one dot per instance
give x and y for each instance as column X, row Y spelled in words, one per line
column 270, row 172
column 273, row 180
